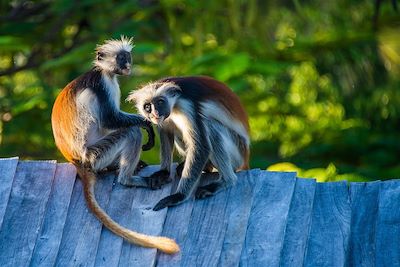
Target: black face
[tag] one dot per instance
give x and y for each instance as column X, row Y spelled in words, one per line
column 157, row 110
column 123, row 61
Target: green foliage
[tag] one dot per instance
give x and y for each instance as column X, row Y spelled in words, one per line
column 320, row 83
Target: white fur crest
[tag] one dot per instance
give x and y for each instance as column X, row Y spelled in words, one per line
column 113, row 46
column 151, row 90
column 110, row 49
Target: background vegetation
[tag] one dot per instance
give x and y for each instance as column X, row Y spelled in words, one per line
column 320, row 79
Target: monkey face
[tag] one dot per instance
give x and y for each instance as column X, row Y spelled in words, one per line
column 157, row 110
column 123, row 63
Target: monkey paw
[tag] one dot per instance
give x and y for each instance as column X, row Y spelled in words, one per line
column 207, row 190
column 158, row 179
column 168, row 201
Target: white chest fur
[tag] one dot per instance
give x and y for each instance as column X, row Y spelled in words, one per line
column 113, row 89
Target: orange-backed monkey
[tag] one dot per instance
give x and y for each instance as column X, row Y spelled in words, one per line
column 208, row 125
column 92, row 132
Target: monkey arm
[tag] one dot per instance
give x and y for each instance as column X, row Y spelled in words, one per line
column 197, row 156
column 161, row 177
column 112, row 118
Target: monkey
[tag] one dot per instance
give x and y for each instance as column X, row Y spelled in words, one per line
column 93, row 133
column 208, row 125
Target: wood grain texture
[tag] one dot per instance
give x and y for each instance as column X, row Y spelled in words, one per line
column 267, row 222
column 238, row 212
column 388, row 225
column 8, row 167
column 143, row 219
column 82, row 229
column 176, row 226
column 298, row 223
column 49, row 239
column 328, row 242
column 25, row 210
column 364, row 212
column 206, row 231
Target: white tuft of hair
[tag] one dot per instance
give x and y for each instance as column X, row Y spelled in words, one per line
column 113, row 46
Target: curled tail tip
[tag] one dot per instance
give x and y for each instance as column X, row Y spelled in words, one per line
column 167, row 245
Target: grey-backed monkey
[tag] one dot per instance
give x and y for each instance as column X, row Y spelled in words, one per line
column 93, row 133
column 207, row 123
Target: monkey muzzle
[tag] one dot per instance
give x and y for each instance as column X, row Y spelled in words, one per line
column 157, row 119
column 126, row 70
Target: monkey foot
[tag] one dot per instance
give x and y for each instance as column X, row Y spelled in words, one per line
column 207, row 190
column 158, row 179
column 168, row 201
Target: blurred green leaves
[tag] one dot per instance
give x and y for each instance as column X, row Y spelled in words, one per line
column 320, row 84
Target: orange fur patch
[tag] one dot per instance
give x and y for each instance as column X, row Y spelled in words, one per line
column 63, row 120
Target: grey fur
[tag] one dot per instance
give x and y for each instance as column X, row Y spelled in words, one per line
column 197, row 136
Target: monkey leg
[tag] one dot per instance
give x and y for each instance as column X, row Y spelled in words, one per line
column 207, row 169
column 163, row 176
column 195, row 162
column 122, row 146
column 224, row 154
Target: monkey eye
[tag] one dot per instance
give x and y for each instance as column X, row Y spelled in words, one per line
column 147, row 107
column 161, row 101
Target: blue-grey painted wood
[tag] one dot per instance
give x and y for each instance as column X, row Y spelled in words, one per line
column 143, row 219
column 364, row 212
column 25, row 210
column 8, row 166
column 238, row 212
column 119, row 208
column 267, row 222
column 110, row 245
column 330, row 226
column 49, row 239
column 82, row 229
column 298, row 223
column 176, row 226
column 388, row 225
column 206, row 231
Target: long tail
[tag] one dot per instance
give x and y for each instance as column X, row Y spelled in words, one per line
column 164, row 244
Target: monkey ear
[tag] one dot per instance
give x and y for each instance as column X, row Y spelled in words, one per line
column 99, row 56
column 174, row 90
column 133, row 96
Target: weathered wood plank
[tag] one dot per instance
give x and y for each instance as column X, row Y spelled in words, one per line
column 25, row 210
column 206, row 231
column 330, row 226
column 267, row 222
column 239, row 206
column 82, row 229
column 388, row 225
column 8, row 166
column 176, row 226
column 364, row 212
column 143, row 219
column 110, row 245
column 298, row 223
column 48, row 242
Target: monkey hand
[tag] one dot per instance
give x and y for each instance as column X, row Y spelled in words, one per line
column 150, row 131
column 158, row 179
column 171, row 200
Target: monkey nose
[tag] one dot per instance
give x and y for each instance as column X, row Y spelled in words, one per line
column 128, row 66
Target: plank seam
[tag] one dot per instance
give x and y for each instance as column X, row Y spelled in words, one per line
column 286, row 225
column 45, row 209
column 12, row 186
column 376, row 220
column 309, row 228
